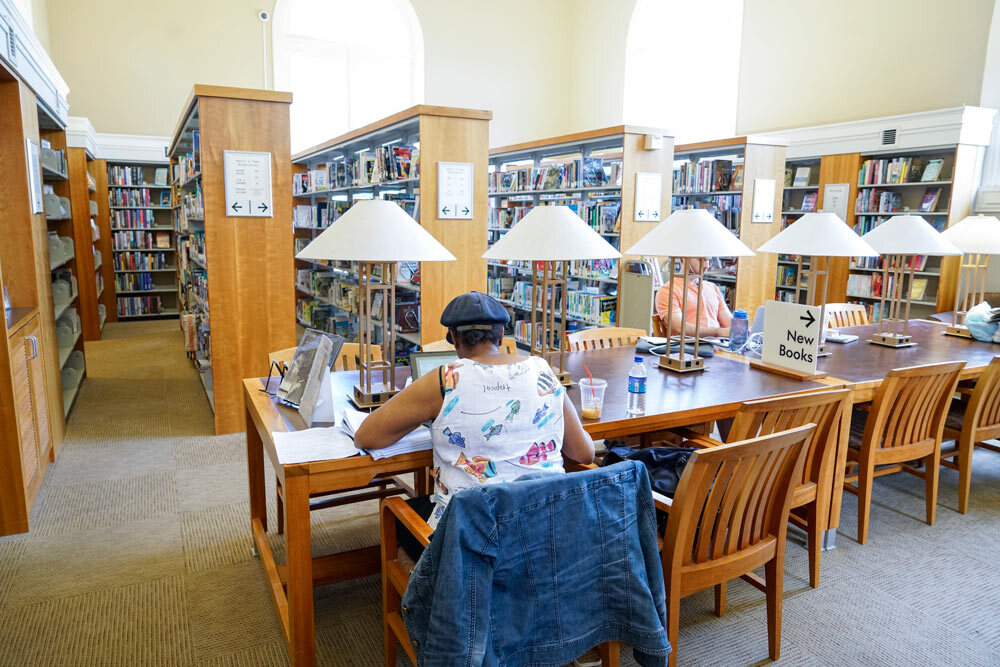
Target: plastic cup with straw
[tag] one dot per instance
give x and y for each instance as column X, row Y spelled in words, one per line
column 592, row 396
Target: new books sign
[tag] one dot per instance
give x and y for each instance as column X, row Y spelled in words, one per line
column 791, row 336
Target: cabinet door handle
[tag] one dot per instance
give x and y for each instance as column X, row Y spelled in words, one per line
column 34, row 347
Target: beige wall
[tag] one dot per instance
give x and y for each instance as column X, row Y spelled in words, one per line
column 815, row 62
column 130, row 65
column 40, row 21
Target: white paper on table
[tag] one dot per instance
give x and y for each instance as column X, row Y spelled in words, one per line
column 415, row 441
column 313, row 444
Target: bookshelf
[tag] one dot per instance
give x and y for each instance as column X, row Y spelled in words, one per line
column 892, row 183
column 233, row 275
column 594, row 173
column 65, row 197
column 800, row 196
column 142, row 239
column 395, row 158
column 719, row 175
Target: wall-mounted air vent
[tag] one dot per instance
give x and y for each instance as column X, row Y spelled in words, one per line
column 889, row 137
column 11, row 45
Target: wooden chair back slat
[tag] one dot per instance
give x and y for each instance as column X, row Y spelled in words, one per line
column 911, row 404
column 347, row 360
column 659, row 329
column 825, row 409
column 600, row 338
column 984, row 404
column 845, row 315
column 729, row 496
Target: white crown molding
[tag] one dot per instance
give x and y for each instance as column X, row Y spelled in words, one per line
column 132, row 147
column 80, row 134
column 914, row 131
column 24, row 55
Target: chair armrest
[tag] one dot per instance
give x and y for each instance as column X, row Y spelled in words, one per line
column 410, row 520
column 661, row 502
column 573, row 466
column 965, row 391
column 701, row 442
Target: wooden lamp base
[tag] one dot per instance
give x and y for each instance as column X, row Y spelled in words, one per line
column 379, row 394
column 892, row 340
column 959, row 330
column 564, row 378
column 673, row 362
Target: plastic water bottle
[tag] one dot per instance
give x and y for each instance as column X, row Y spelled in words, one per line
column 739, row 329
column 637, row 389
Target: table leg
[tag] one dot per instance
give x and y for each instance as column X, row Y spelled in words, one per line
column 255, row 472
column 301, row 631
column 839, row 466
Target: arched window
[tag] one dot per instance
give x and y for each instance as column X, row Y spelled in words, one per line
column 346, row 63
column 682, row 67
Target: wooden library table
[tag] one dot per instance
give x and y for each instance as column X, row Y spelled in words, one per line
column 672, row 400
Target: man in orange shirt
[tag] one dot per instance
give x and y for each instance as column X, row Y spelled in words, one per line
column 715, row 317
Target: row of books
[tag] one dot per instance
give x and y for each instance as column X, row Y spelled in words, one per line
column 874, row 310
column 131, row 197
column 132, row 240
column 899, row 170
column 325, row 317
column 785, row 295
column 134, row 282
column 138, row 218
column 329, row 286
column 139, row 305
column 192, row 203
column 383, row 165
column 708, row 176
column 522, row 333
column 594, row 268
column 593, row 308
column 916, row 262
column 140, row 261
column 872, row 285
column 787, row 276
column 808, row 204
column 724, row 208
column 125, row 175
column 189, row 164
column 799, row 179
column 199, row 287
column 591, row 172
column 878, row 201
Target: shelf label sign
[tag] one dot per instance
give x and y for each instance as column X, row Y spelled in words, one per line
column 248, row 184
column 763, row 200
column 835, row 196
column 648, row 196
column 791, row 335
column 455, row 191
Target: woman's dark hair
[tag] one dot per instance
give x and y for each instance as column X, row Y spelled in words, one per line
column 473, row 337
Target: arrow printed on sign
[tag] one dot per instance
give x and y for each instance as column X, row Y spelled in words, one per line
column 263, row 207
column 808, row 318
column 445, row 210
column 236, row 207
column 465, row 210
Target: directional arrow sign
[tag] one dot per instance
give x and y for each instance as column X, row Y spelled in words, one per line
column 247, row 184
column 648, row 193
column 791, row 337
column 445, row 210
column 465, row 210
column 455, row 190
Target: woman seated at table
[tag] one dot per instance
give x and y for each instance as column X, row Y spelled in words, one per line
column 715, row 317
column 496, row 416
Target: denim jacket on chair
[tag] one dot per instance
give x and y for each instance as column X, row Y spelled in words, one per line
column 539, row 571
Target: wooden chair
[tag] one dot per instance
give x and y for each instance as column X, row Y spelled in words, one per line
column 728, row 517
column 381, row 487
column 970, row 422
column 905, row 423
column 845, row 315
column 508, row 346
column 659, row 329
column 600, row 338
column 396, row 576
column 828, row 410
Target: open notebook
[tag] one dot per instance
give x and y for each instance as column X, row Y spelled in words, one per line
column 337, row 442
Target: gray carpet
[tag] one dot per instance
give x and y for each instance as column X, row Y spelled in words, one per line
column 139, row 553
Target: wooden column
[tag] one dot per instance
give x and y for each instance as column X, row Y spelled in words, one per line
column 965, row 180
column 99, row 170
column 841, row 168
column 756, row 275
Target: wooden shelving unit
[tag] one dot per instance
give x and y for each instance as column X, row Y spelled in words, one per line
column 797, row 200
column 242, row 265
column 594, row 173
column 325, row 291
column 141, row 237
column 753, row 281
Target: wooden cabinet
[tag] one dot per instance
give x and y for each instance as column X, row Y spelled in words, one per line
column 33, row 442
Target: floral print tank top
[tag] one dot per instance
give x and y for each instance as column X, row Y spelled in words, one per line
column 496, row 424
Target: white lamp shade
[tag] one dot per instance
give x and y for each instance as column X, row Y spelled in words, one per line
column 551, row 233
column 909, row 235
column 692, row 232
column 976, row 234
column 821, row 235
column 376, row 230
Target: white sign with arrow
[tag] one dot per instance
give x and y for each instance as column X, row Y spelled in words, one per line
column 455, row 191
column 248, row 184
column 791, row 336
column 648, row 196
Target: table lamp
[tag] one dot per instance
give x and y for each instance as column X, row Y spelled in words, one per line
column 818, row 235
column 555, row 236
column 978, row 237
column 900, row 240
column 376, row 234
column 688, row 233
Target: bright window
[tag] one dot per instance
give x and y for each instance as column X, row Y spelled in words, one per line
column 682, row 67
column 346, row 63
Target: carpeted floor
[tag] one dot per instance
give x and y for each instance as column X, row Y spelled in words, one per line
column 139, row 553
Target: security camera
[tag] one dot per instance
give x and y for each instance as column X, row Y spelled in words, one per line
column 264, row 15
